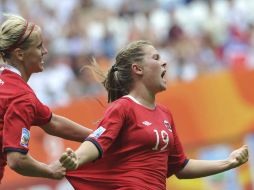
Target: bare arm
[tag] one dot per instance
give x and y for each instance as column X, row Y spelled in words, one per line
column 66, row 128
column 203, row 168
column 87, row 152
column 26, row 165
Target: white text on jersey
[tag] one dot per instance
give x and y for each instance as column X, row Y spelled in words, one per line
column 147, row 123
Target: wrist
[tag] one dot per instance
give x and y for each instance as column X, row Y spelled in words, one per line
column 77, row 163
column 50, row 172
column 230, row 164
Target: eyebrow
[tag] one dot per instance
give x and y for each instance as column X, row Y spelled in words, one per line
column 156, row 55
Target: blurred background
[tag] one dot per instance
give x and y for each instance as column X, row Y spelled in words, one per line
column 209, row 47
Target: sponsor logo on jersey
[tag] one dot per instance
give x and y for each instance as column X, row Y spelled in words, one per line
column 98, row 132
column 1, row 82
column 25, row 136
column 167, row 124
column 146, row 123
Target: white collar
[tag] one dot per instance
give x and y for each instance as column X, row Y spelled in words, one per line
column 11, row 68
column 136, row 101
column 133, row 99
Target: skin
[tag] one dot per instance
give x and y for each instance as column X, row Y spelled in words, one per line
column 149, row 79
column 29, row 61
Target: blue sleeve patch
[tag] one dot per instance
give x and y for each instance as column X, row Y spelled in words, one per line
column 25, row 137
column 98, row 132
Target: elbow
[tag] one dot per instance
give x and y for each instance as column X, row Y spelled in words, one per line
column 14, row 165
column 14, row 161
column 184, row 176
column 184, row 173
column 180, row 176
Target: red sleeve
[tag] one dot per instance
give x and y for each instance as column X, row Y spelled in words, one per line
column 43, row 113
column 109, row 128
column 177, row 159
column 17, row 121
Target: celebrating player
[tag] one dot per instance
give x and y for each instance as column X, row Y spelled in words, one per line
column 22, row 50
column 135, row 145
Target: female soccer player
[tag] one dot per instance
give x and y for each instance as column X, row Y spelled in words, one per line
column 22, row 50
column 135, row 145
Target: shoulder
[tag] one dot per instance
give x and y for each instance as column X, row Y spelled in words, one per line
column 164, row 109
column 122, row 102
column 13, row 83
column 120, row 105
column 24, row 98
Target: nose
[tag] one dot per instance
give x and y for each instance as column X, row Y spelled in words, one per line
column 44, row 50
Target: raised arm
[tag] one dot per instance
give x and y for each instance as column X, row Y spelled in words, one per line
column 66, row 128
column 203, row 168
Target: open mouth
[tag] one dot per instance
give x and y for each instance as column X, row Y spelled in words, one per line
column 163, row 74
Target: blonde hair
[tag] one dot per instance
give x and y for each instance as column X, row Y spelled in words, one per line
column 14, row 32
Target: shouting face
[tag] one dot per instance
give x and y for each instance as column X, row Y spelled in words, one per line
column 154, row 70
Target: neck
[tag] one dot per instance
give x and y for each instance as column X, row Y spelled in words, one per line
column 21, row 69
column 144, row 97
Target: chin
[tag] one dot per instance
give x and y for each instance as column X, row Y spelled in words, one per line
column 163, row 87
column 39, row 70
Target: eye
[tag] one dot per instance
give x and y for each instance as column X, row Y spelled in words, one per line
column 156, row 56
column 39, row 46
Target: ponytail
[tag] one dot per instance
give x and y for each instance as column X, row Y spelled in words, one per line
column 110, row 80
column 2, row 60
column 119, row 79
column 113, row 85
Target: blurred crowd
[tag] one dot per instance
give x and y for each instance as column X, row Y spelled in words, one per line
column 195, row 37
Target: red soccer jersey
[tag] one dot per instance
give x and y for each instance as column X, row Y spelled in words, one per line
column 19, row 110
column 139, row 149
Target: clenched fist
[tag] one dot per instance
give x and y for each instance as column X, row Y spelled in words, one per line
column 239, row 156
column 58, row 171
column 69, row 159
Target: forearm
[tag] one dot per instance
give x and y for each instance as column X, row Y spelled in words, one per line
column 87, row 152
column 66, row 128
column 203, row 168
column 28, row 166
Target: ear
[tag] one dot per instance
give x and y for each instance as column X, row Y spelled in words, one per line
column 137, row 69
column 19, row 54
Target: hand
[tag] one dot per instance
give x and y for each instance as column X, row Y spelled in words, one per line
column 69, row 159
column 239, row 156
column 58, row 171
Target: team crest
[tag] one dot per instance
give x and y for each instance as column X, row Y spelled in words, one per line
column 25, row 137
column 167, row 124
